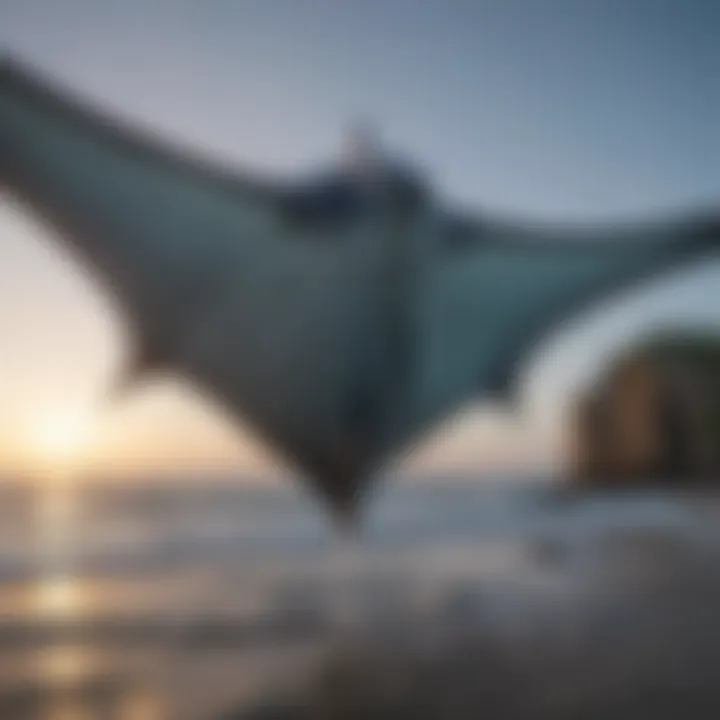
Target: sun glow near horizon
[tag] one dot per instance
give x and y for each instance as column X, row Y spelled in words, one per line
column 60, row 441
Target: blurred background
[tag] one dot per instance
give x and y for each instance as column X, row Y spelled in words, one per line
column 155, row 562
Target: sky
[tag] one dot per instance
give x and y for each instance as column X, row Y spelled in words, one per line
column 600, row 109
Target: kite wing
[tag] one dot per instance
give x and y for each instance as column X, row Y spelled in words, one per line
column 496, row 290
column 206, row 265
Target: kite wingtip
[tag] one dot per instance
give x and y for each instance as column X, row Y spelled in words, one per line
column 345, row 513
column 346, row 520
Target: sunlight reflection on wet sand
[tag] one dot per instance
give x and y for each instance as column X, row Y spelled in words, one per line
column 60, row 595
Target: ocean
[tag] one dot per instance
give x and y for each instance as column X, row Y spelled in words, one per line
column 194, row 599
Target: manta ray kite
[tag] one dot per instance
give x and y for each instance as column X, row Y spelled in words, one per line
column 339, row 331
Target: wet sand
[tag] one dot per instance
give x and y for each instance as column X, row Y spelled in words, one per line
column 622, row 622
column 455, row 602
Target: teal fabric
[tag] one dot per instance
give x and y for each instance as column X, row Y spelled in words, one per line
column 339, row 343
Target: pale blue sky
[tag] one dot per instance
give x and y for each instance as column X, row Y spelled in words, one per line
column 552, row 108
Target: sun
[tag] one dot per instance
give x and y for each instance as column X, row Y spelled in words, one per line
column 60, row 439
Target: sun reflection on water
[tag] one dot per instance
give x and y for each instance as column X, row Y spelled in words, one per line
column 63, row 666
column 58, row 597
column 62, row 595
column 70, row 711
column 141, row 706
